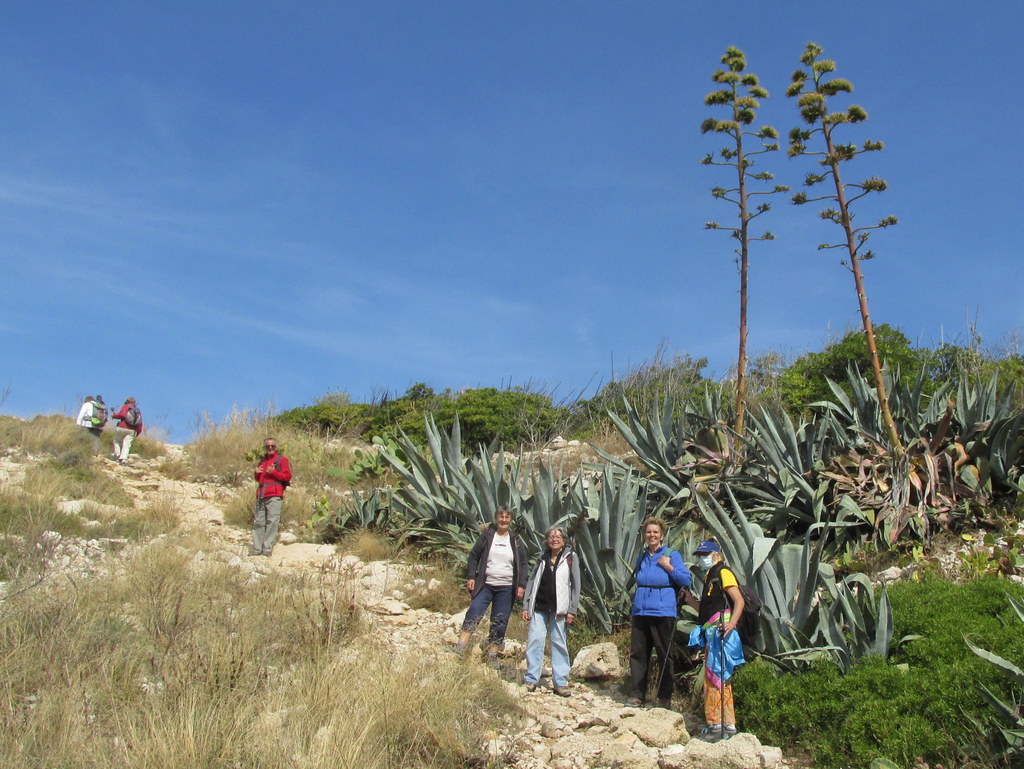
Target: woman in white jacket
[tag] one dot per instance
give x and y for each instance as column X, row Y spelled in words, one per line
column 550, row 604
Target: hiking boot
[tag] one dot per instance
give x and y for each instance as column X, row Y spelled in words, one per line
column 561, row 691
column 492, row 659
column 634, row 702
column 711, row 733
column 459, row 650
column 530, row 687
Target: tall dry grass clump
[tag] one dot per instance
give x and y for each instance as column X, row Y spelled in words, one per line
column 228, row 451
column 51, row 434
column 190, row 662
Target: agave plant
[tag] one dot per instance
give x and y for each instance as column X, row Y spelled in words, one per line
column 807, row 613
column 606, row 534
column 959, row 452
column 679, row 447
column 445, row 497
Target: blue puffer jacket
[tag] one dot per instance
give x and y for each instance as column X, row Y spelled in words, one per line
column 656, row 588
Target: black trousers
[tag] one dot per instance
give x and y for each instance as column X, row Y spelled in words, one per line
column 651, row 634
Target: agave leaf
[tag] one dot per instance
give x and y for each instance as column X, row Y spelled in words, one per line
column 1014, row 672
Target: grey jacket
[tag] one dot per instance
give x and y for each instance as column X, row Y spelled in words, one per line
column 567, row 582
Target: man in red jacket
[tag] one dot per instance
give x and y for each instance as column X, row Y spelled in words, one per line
column 273, row 474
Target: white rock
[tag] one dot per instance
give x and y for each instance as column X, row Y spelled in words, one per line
column 596, row 662
column 740, row 752
column 658, row 727
column 771, row 757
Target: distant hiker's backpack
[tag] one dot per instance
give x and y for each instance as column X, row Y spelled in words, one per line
column 133, row 417
column 99, row 414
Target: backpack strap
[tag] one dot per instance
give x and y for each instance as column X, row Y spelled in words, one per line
column 636, row 570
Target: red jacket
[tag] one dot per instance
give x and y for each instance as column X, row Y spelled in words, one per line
column 271, row 474
column 122, row 414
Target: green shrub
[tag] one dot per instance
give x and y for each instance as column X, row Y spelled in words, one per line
column 920, row 704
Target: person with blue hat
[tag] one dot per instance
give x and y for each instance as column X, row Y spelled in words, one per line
column 718, row 611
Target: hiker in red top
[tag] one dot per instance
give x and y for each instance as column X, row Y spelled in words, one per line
column 273, row 473
column 129, row 425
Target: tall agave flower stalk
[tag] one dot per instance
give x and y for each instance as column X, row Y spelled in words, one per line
column 813, row 89
column 740, row 93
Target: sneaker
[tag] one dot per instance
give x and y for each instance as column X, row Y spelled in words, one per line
column 459, row 650
column 561, row 691
column 730, row 730
column 492, row 659
column 634, row 702
column 711, row 733
column 530, row 687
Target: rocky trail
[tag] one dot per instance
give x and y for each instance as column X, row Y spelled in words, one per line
column 592, row 728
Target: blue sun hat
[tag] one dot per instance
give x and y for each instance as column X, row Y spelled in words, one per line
column 708, row 546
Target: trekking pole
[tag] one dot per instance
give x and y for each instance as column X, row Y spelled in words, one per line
column 721, row 679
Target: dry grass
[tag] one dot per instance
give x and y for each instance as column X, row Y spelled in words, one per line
column 170, row 667
column 610, row 441
column 369, row 546
column 295, row 511
column 227, row 453
column 441, row 590
column 73, row 476
column 52, row 434
column 147, row 447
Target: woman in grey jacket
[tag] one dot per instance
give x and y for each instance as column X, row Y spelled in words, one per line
column 552, row 598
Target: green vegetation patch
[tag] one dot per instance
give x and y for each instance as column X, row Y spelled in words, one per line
column 919, row 704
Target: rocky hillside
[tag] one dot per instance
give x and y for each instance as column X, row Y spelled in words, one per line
column 592, row 728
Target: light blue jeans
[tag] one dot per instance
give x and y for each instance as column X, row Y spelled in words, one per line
column 542, row 625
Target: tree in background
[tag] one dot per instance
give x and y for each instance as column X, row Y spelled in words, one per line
column 812, row 91
column 804, row 381
column 740, row 93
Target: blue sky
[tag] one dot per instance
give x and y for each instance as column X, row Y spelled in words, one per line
column 213, row 205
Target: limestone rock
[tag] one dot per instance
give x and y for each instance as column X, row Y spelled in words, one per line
column 742, row 751
column 771, row 757
column 597, row 662
column 618, row 756
column 658, row 727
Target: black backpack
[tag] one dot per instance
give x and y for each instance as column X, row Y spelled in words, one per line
column 749, row 625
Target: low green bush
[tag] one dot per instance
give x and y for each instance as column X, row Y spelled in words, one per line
column 924, row 703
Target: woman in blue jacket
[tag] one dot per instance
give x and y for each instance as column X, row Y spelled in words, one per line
column 659, row 574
